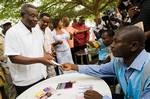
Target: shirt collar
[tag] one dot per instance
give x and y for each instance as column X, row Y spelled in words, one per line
column 38, row 27
column 139, row 60
column 24, row 27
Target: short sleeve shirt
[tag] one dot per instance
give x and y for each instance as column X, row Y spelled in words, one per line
column 20, row 41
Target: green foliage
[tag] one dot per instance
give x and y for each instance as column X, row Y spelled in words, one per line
column 10, row 8
column 58, row 8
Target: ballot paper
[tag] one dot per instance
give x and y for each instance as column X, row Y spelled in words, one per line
column 45, row 93
column 59, row 66
column 55, row 63
column 82, row 89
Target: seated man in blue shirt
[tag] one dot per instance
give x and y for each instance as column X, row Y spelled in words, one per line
column 131, row 65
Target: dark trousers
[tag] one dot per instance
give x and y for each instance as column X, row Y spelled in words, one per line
column 78, row 58
column 73, row 54
column 2, row 92
column 21, row 89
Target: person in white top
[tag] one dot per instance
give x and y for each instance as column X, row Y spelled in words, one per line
column 63, row 52
column 24, row 47
column 43, row 26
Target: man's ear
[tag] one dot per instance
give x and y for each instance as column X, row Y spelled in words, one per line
column 134, row 46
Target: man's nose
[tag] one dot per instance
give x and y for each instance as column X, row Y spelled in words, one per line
column 46, row 24
column 35, row 19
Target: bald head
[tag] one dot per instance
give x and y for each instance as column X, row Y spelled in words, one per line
column 132, row 33
column 128, row 42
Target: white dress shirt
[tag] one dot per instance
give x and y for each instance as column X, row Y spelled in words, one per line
column 20, row 41
column 48, row 40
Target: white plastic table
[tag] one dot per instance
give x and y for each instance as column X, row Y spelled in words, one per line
column 71, row 93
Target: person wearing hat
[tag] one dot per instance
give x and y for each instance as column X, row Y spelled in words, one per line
column 8, row 86
column 5, row 26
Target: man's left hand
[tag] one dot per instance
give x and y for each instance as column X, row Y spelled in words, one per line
column 91, row 94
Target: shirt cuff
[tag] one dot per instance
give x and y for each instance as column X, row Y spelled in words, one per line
column 82, row 68
column 106, row 97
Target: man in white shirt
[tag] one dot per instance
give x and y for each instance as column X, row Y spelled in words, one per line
column 43, row 26
column 24, row 47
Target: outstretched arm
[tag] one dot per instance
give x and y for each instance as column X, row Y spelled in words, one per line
column 46, row 59
column 93, row 70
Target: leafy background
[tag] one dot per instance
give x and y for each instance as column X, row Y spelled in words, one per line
column 9, row 9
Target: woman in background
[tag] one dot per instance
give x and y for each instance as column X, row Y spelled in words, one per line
column 63, row 53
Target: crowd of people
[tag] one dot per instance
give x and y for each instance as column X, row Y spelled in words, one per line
column 28, row 48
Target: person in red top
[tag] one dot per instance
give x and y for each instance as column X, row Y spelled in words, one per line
column 82, row 38
column 74, row 22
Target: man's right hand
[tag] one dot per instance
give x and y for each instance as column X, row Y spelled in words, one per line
column 46, row 60
column 68, row 67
